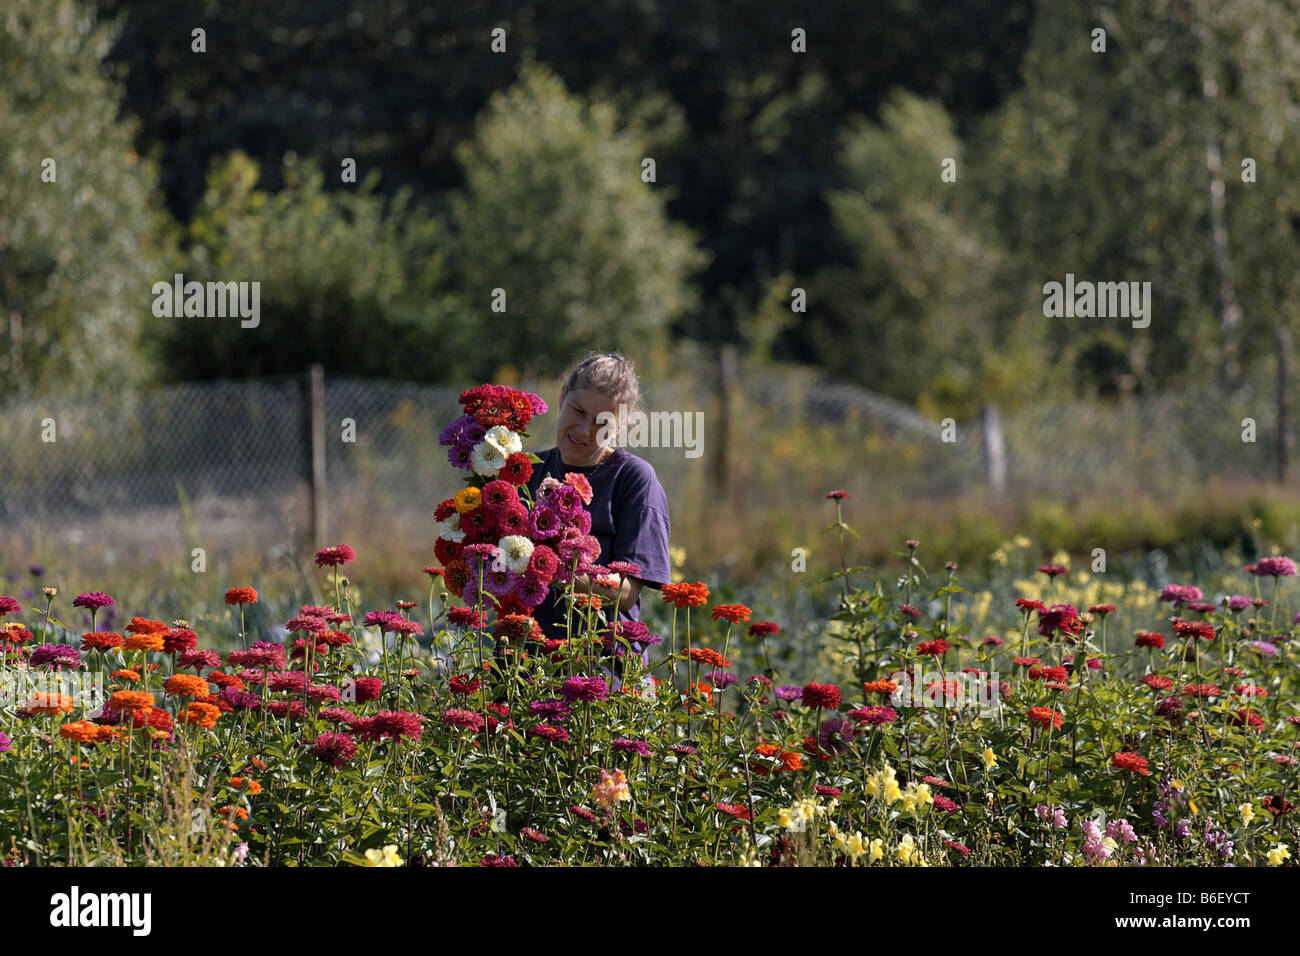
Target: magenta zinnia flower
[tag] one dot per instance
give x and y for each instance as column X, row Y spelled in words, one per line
column 584, row 688
column 1275, row 567
column 547, row 732
column 464, row 719
column 391, row 723
column 334, row 749
column 334, row 556
column 874, row 715
column 56, row 657
column 91, row 600
column 9, row 606
column 632, row 746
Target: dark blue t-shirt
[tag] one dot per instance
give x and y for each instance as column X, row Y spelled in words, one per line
column 629, row 517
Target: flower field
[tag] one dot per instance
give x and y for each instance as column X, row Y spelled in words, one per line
column 453, row 732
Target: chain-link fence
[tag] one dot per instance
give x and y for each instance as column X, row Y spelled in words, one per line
column 237, row 455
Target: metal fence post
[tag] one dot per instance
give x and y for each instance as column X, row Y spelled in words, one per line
column 316, row 451
column 995, row 456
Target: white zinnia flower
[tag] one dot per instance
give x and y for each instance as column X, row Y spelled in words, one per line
column 486, row 459
column 450, row 530
column 515, row 552
column 504, row 439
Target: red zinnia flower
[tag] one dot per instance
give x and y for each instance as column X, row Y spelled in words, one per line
column 838, row 493
column 1046, row 716
column 935, row 648
column 1150, row 639
column 1157, row 683
column 825, row 696
column 737, row 810
column 1130, row 761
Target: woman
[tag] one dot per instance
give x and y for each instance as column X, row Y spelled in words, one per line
column 629, row 510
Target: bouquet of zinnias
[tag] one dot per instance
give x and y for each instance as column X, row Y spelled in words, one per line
column 498, row 548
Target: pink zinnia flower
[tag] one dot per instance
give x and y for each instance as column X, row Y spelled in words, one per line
column 1275, row 567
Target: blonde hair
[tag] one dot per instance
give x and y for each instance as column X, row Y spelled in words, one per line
column 608, row 373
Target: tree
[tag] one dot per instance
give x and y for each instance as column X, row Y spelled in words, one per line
column 1126, row 165
column 556, row 215
column 911, row 315
column 82, row 234
column 347, row 279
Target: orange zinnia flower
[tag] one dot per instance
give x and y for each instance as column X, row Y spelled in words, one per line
column 246, row 783
column 142, row 625
column 144, row 642
column 882, row 686
column 100, row 641
column 706, row 655
column 241, row 596
column 735, row 613
column 581, row 600
column 131, row 700
column 204, row 715
column 686, row 594
column 126, row 674
column 45, row 703
column 186, row 685
column 105, row 734
column 82, row 731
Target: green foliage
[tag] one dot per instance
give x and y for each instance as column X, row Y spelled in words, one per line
column 555, row 214
column 914, row 309
column 348, row 279
column 77, row 255
column 1100, row 166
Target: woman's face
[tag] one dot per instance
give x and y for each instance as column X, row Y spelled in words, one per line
column 577, row 427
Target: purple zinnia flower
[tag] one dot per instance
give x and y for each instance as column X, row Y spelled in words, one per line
column 5, row 743
column 551, row 709
column 684, row 750
column 835, row 736
column 722, row 679
column 789, row 692
column 56, row 656
column 92, row 600
column 1263, row 647
column 1238, row 602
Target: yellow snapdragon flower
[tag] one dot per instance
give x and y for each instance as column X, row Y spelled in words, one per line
column 990, row 759
column 906, row 847
column 385, row 857
column 1247, row 813
column 877, row 851
column 1278, row 854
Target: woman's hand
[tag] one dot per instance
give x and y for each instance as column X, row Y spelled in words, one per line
column 627, row 596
